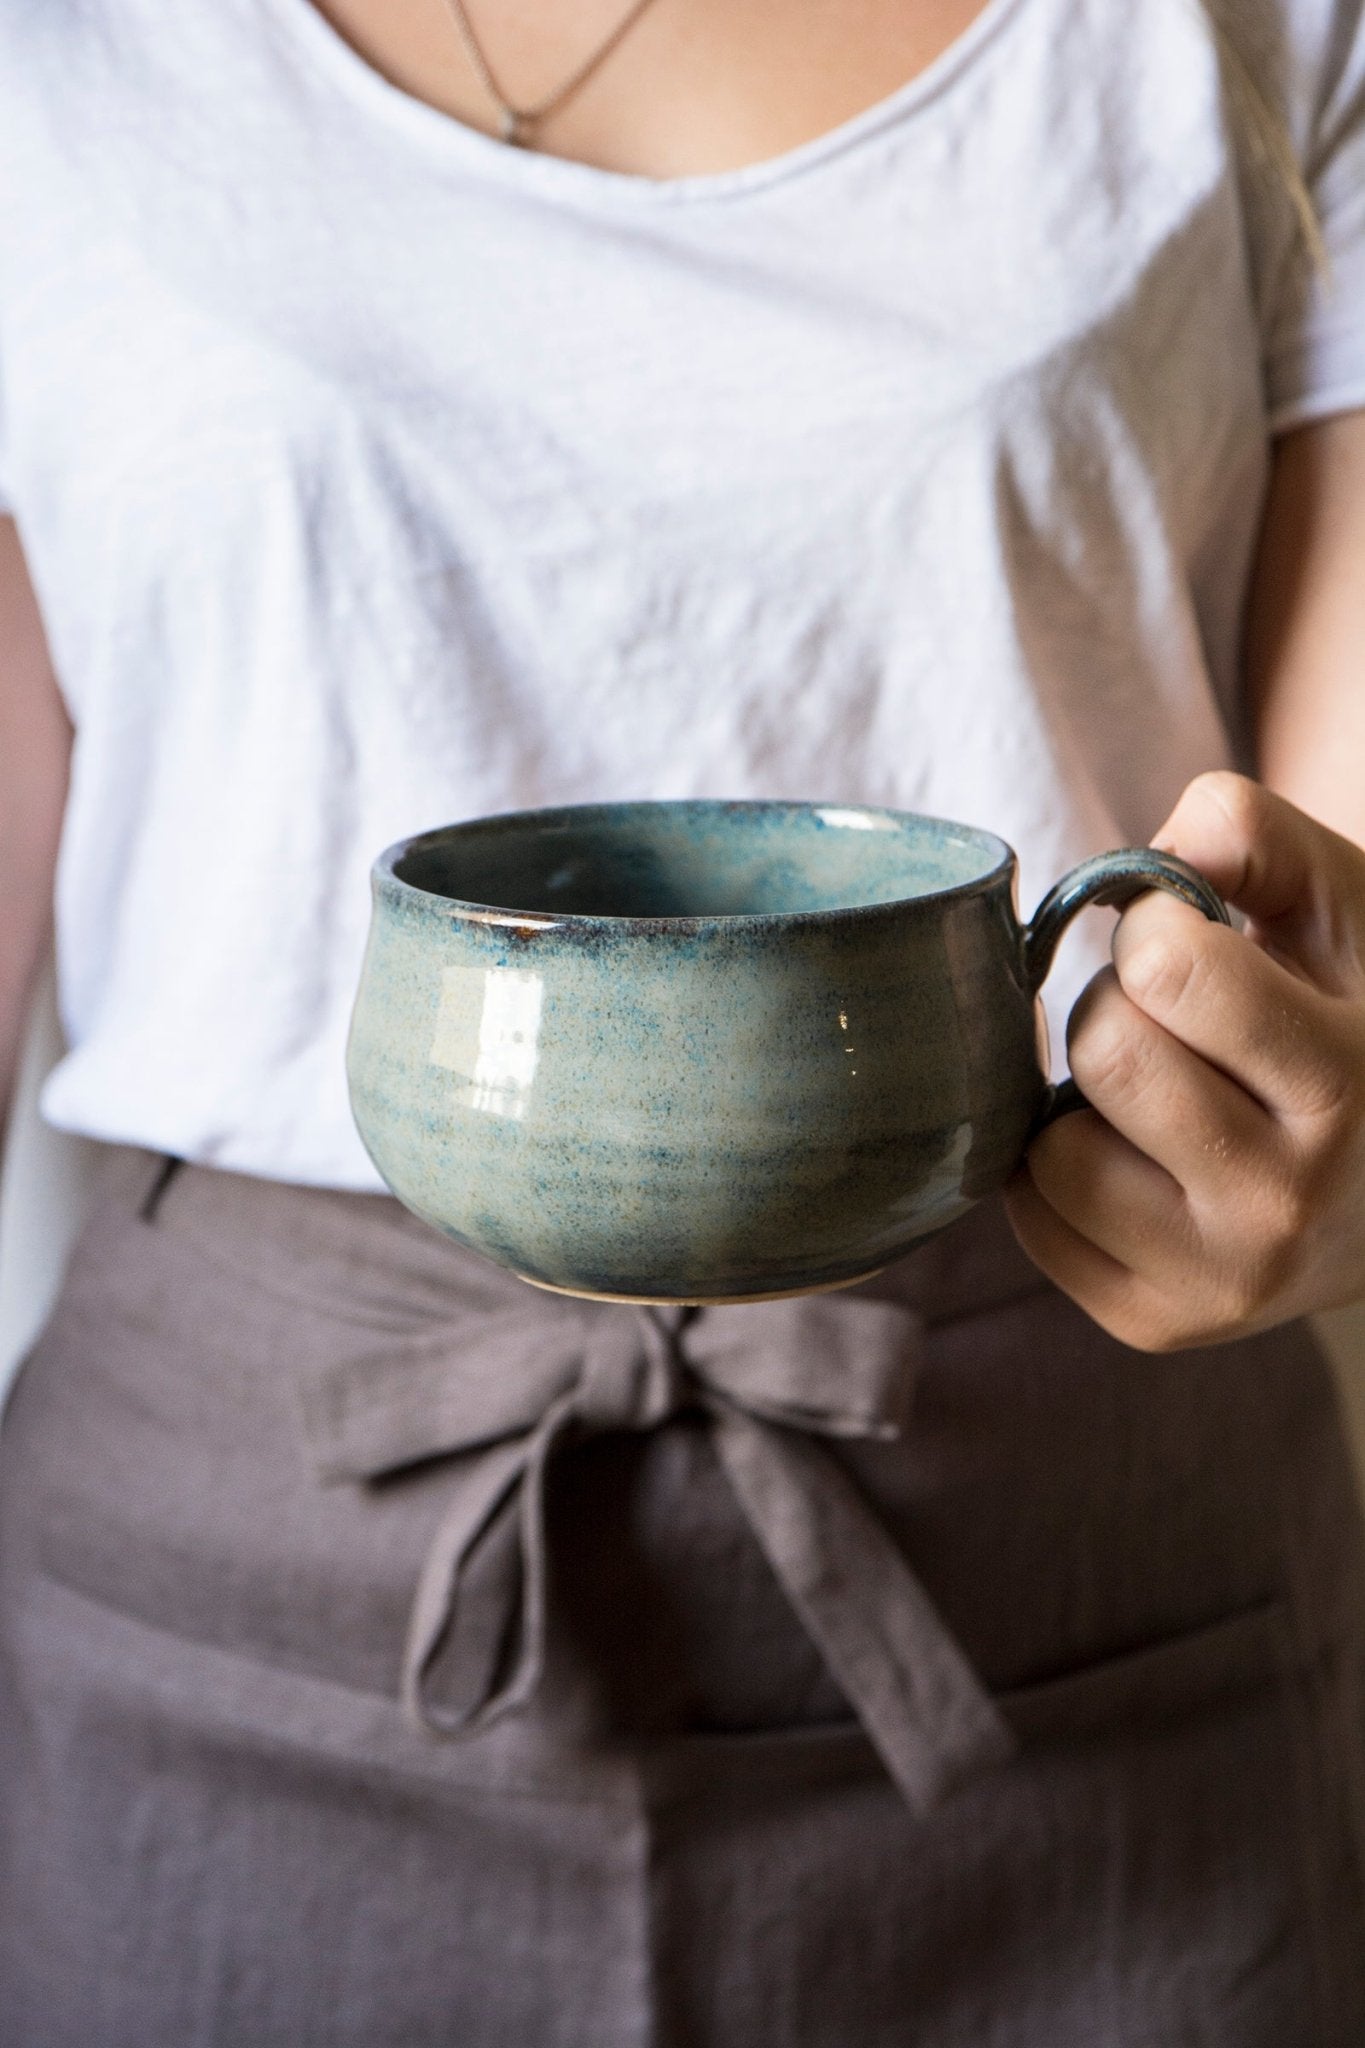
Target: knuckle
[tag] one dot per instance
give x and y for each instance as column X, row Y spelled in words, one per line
column 1161, row 971
column 1159, row 1324
column 1233, row 1287
column 1157, row 1333
column 1332, row 1094
column 1320, row 1177
column 1291, row 1211
column 1240, row 1292
column 1109, row 1057
column 1242, row 802
column 1278, row 1213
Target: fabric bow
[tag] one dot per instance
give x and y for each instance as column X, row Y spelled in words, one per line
column 511, row 1387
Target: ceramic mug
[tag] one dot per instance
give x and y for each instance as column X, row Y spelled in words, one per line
column 708, row 1051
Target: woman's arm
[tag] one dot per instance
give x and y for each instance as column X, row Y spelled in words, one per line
column 1306, row 637
column 35, row 747
column 1218, row 1185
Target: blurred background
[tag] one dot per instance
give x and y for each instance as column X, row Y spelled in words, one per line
column 44, row 1187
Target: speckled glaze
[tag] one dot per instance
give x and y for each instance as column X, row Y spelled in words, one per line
column 706, row 1051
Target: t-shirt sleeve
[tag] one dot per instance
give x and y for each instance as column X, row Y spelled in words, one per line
column 1315, row 329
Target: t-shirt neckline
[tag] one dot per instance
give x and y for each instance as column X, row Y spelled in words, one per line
column 442, row 133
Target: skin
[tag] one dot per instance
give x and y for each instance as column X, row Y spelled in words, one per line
column 695, row 86
column 1217, row 1185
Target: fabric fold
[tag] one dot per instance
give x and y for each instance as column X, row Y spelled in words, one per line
column 502, row 1393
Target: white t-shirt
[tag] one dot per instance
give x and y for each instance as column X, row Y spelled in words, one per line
column 374, row 475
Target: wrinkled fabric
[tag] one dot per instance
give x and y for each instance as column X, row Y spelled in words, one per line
column 259, row 1413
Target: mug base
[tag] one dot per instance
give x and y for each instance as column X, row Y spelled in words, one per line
column 702, row 1300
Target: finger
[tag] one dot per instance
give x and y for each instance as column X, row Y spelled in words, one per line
column 1303, row 885
column 1118, row 1299
column 1236, row 1007
column 1208, row 1133
column 1113, row 1196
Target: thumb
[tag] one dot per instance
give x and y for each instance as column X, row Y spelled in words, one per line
column 1301, row 886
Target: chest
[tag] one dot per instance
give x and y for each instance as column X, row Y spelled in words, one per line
column 691, row 86
column 324, row 312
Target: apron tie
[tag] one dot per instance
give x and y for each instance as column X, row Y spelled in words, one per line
column 501, row 1393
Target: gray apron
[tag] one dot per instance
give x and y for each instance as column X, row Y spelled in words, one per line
column 395, row 1655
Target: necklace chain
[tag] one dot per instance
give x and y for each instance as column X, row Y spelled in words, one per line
column 517, row 123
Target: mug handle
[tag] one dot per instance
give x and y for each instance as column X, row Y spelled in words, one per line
column 1114, row 879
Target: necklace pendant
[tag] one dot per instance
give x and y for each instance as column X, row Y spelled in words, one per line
column 516, row 129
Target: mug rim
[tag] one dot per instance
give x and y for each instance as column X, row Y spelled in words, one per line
column 385, row 877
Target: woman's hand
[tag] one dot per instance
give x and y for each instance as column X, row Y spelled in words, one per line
column 1218, row 1185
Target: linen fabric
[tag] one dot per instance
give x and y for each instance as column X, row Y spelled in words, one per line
column 220, row 1828
column 374, row 475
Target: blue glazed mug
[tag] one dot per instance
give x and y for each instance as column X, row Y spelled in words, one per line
column 707, row 1051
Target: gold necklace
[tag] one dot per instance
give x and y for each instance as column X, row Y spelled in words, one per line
column 517, row 123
